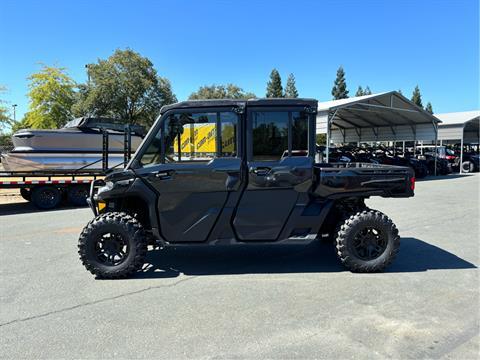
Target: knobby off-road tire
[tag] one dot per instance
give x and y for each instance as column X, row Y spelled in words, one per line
column 367, row 241
column 113, row 245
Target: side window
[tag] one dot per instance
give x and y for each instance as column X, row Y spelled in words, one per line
column 270, row 135
column 271, row 139
column 229, row 134
column 152, row 155
column 194, row 137
column 190, row 137
column 299, row 133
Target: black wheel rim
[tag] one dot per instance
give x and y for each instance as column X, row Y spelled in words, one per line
column 111, row 249
column 48, row 197
column 369, row 243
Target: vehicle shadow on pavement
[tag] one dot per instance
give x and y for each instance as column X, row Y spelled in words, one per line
column 414, row 256
column 27, row 207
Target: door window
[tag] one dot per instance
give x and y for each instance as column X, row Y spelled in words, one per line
column 194, row 137
column 270, row 135
column 190, row 137
column 299, row 133
column 277, row 134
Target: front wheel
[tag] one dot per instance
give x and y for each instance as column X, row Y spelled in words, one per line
column 113, row 245
column 367, row 241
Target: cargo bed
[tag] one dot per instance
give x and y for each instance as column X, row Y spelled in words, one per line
column 338, row 180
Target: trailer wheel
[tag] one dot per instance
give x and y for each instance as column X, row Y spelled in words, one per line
column 46, row 197
column 367, row 241
column 26, row 194
column 113, row 245
column 77, row 195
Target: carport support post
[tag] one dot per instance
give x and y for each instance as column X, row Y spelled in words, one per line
column 461, row 153
column 327, row 145
column 435, row 127
column 329, row 131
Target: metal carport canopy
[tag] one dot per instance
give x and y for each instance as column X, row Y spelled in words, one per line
column 459, row 125
column 385, row 116
column 463, row 126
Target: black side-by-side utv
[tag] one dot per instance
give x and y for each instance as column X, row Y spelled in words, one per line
column 228, row 171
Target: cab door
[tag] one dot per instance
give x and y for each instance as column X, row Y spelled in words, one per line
column 193, row 164
column 279, row 167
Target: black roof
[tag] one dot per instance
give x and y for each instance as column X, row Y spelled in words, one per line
column 240, row 103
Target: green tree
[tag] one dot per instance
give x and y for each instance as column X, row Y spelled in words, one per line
column 321, row 139
column 367, row 91
column 290, row 87
column 6, row 123
column 229, row 91
column 429, row 108
column 417, row 97
column 52, row 95
column 126, row 87
column 5, row 119
column 339, row 90
column 359, row 91
column 274, row 85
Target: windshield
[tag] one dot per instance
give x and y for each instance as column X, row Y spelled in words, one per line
column 73, row 123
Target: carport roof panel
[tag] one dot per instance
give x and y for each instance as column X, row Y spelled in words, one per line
column 455, row 118
column 376, row 110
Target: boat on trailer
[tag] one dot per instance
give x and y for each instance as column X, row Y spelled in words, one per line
column 76, row 146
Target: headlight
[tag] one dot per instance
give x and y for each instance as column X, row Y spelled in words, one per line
column 107, row 187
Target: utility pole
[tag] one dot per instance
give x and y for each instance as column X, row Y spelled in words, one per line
column 14, row 112
column 88, row 73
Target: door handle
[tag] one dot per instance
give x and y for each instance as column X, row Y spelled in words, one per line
column 261, row 171
column 164, row 175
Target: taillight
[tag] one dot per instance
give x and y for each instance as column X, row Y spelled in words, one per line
column 450, row 157
column 412, row 183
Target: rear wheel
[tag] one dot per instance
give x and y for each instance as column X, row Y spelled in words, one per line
column 77, row 195
column 46, row 197
column 367, row 241
column 113, row 245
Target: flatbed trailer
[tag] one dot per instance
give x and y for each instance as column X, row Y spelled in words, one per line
column 47, row 189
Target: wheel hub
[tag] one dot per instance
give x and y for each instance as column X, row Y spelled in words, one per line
column 111, row 249
column 369, row 243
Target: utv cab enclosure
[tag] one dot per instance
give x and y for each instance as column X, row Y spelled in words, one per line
column 238, row 171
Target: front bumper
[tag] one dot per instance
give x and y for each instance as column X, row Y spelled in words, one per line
column 92, row 198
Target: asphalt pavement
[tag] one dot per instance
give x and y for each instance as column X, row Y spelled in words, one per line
column 277, row 301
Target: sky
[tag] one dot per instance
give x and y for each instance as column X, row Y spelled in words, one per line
column 387, row 45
